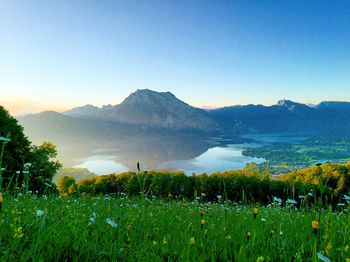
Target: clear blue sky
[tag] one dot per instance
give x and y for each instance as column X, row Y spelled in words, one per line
column 56, row 54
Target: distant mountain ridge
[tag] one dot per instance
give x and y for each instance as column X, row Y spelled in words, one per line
column 147, row 110
column 287, row 116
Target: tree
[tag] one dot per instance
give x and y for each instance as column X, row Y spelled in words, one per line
column 67, row 185
column 43, row 167
column 17, row 151
column 24, row 165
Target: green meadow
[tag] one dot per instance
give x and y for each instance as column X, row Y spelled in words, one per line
column 104, row 228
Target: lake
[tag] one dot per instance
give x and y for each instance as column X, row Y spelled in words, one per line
column 191, row 154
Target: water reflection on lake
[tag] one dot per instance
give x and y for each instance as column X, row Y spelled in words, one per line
column 190, row 153
column 207, row 160
column 213, row 160
column 102, row 165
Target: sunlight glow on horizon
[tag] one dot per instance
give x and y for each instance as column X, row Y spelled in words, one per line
column 23, row 106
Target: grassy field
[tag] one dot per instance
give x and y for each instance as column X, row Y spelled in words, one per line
column 121, row 229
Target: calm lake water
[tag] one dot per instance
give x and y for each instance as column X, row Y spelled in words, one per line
column 214, row 159
column 191, row 154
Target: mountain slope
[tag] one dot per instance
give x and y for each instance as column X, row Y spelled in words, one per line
column 151, row 109
column 161, row 112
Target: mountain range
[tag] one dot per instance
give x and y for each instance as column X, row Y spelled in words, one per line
column 161, row 112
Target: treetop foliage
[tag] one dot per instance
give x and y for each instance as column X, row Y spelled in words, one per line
column 25, row 165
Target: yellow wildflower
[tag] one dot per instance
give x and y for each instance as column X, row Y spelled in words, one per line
column 255, row 212
column 203, row 222
column 315, row 225
column 260, row 259
column 192, row 241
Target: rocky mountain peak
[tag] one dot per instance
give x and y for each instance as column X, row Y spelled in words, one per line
column 150, row 97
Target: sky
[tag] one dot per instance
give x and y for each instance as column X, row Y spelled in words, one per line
column 60, row 54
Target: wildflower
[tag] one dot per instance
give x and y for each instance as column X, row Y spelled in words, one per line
column 248, row 235
column 203, row 194
column 291, row 201
column 263, row 220
column 5, row 139
column 255, row 212
column 281, row 233
column 260, row 259
column 0, row 201
column 315, row 225
column 277, row 200
column 346, row 197
column 92, row 218
column 19, row 232
column 202, row 223
column 111, row 222
column 192, row 241
column 219, row 197
column 301, row 197
column 40, row 212
column 323, row 257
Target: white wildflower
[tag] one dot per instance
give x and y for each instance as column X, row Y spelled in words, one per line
column 323, row 257
column 291, row 201
column 40, row 212
column 346, row 197
column 111, row 222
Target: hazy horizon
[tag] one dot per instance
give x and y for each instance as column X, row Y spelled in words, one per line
column 20, row 108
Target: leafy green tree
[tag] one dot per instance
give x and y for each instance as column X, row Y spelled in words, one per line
column 66, row 185
column 16, row 152
column 24, row 165
column 43, row 167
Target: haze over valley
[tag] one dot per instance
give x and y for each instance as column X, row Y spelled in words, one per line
column 162, row 132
